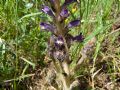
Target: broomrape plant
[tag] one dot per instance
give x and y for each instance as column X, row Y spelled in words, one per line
column 60, row 41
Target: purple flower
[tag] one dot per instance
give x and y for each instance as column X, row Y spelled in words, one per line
column 47, row 27
column 59, row 43
column 67, row 2
column 78, row 38
column 73, row 23
column 64, row 13
column 47, row 10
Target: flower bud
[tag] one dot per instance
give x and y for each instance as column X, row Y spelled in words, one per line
column 64, row 13
column 78, row 38
column 47, row 10
column 73, row 23
column 67, row 2
column 47, row 27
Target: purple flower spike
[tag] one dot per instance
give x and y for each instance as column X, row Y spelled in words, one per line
column 67, row 2
column 73, row 23
column 64, row 13
column 46, row 26
column 78, row 38
column 47, row 10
